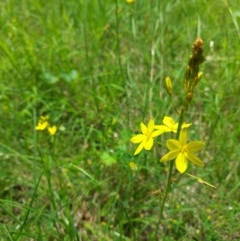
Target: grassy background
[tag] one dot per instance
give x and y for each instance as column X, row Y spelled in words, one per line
column 90, row 66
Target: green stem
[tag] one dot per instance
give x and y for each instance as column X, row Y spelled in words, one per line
column 50, row 160
column 29, row 208
column 168, row 186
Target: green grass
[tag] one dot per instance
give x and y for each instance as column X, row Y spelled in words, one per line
column 88, row 65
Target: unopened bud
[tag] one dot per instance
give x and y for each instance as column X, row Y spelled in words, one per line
column 168, row 83
column 198, row 78
column 187, row 82
column 189, row 97
column 200, row 74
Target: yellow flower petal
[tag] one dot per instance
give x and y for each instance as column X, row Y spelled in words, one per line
column 162, row 128
column 181, row 163
column 173, row 144
column 183, row 137
column 156, row 133
column 52, row 130
column 168, row 121
column 42, row 125
column 138, row 138
column 175, row 127
column 195, row 146
column 139, row 148
column 186, row 125
column 44, row 118
column 143, row 128
column 191, row 157
column 151, row 125
column 148, row 144
column 169, row 156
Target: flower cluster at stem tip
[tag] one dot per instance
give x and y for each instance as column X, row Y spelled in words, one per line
column 180, row 150
column 43, row 124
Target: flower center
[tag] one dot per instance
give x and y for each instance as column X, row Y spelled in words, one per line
column 184, row 149
column 148, row 134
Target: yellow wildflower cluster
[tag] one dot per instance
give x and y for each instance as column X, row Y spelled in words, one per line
column 180, row 150
column 43, row 124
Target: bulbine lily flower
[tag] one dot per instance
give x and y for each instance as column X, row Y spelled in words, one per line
column 145, row 140
column 44, row 124
column 183, row 152
column 52, row 130
column 169, row 125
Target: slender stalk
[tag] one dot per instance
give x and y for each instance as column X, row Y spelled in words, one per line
column 29, row 208
column 169, row 179
column 150, row 93
column 49, row 181
column 118, row 36
column 192, row 78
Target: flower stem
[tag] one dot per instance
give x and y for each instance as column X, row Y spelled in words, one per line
column 169, row 179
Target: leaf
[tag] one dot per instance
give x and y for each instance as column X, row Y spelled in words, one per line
column 50, row 78
column 71, row 76
column 107, row 159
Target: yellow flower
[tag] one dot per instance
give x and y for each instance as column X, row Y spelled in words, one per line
column 52, row 130
column 42, row 123
column 145, row 140
column 170, row 125
column 183, row 152
column 130, row 1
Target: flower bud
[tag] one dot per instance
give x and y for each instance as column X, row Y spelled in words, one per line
column 189, row 97
column 168, row 83
column 198, row 78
